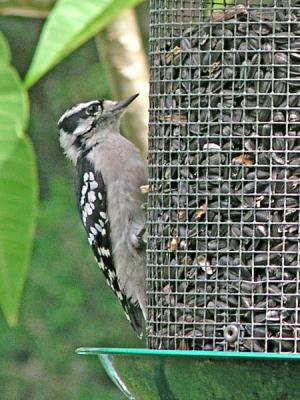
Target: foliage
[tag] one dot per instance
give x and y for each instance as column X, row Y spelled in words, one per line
column 70, row 24
column 66, row 304
column 18, row 187
column 5, row 56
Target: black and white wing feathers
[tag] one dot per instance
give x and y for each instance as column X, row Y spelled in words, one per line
column 92, row 204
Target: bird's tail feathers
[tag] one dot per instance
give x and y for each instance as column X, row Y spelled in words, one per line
column 135, row 316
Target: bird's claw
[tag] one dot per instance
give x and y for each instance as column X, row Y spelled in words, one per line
column 138, row 239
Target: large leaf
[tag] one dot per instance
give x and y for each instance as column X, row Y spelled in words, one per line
column 4, row 50
column 13, row 97
column 18, row 208
column 69, row 25
column 18, row 188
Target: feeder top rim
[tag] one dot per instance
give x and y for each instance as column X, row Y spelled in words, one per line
column 185, row 353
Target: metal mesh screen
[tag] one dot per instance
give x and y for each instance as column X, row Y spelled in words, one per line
column 224, row 160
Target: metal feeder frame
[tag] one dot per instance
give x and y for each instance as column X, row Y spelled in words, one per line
column 223, row 208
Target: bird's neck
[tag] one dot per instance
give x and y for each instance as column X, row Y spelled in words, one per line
column 98, row 136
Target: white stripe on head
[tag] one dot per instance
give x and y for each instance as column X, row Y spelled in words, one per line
column 76, row 109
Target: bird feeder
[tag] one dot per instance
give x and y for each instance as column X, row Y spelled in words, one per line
column 223, row 209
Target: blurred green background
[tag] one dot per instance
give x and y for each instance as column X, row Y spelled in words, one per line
column 66, row 302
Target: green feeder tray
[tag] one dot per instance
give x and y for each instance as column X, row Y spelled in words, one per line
column 143, row 374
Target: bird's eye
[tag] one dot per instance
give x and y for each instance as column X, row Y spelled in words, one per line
column 92, row 109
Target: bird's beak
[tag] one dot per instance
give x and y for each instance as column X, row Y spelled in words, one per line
column 121, row 105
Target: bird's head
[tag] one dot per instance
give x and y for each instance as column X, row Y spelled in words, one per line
column 79, row 125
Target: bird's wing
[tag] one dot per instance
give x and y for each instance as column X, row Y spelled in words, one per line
column 92, row 205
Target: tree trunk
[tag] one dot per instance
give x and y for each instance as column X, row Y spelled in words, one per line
column 123, row 56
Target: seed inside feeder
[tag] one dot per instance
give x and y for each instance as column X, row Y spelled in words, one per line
column 224, row 156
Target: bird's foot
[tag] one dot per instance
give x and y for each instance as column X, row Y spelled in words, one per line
column 138, row 240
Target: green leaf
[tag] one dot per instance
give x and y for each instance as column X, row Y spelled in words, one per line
column 219, row 5
column 70, row 24
column 18, row 189
column 13, row 97
column 215, row 5
column 18, row 210
column 4, row 50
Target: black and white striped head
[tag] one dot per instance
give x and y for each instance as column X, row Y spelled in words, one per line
column 79, row 125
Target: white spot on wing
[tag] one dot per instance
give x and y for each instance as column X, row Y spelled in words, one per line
column 111, row 274
column 127, row 316
column 88, row 209
column 84, row 189
column 83, row 192
column 93, row 230
column 120, row 295
column 91, row 196
column 103, row 215
column 85, row 177
column 101, row 264
column 93, row 185
column 105, row 252
column 109, row 283
column 98, row 227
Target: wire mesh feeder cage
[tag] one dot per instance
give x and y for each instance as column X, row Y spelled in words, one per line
column 223, row 208
column 224, row 160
